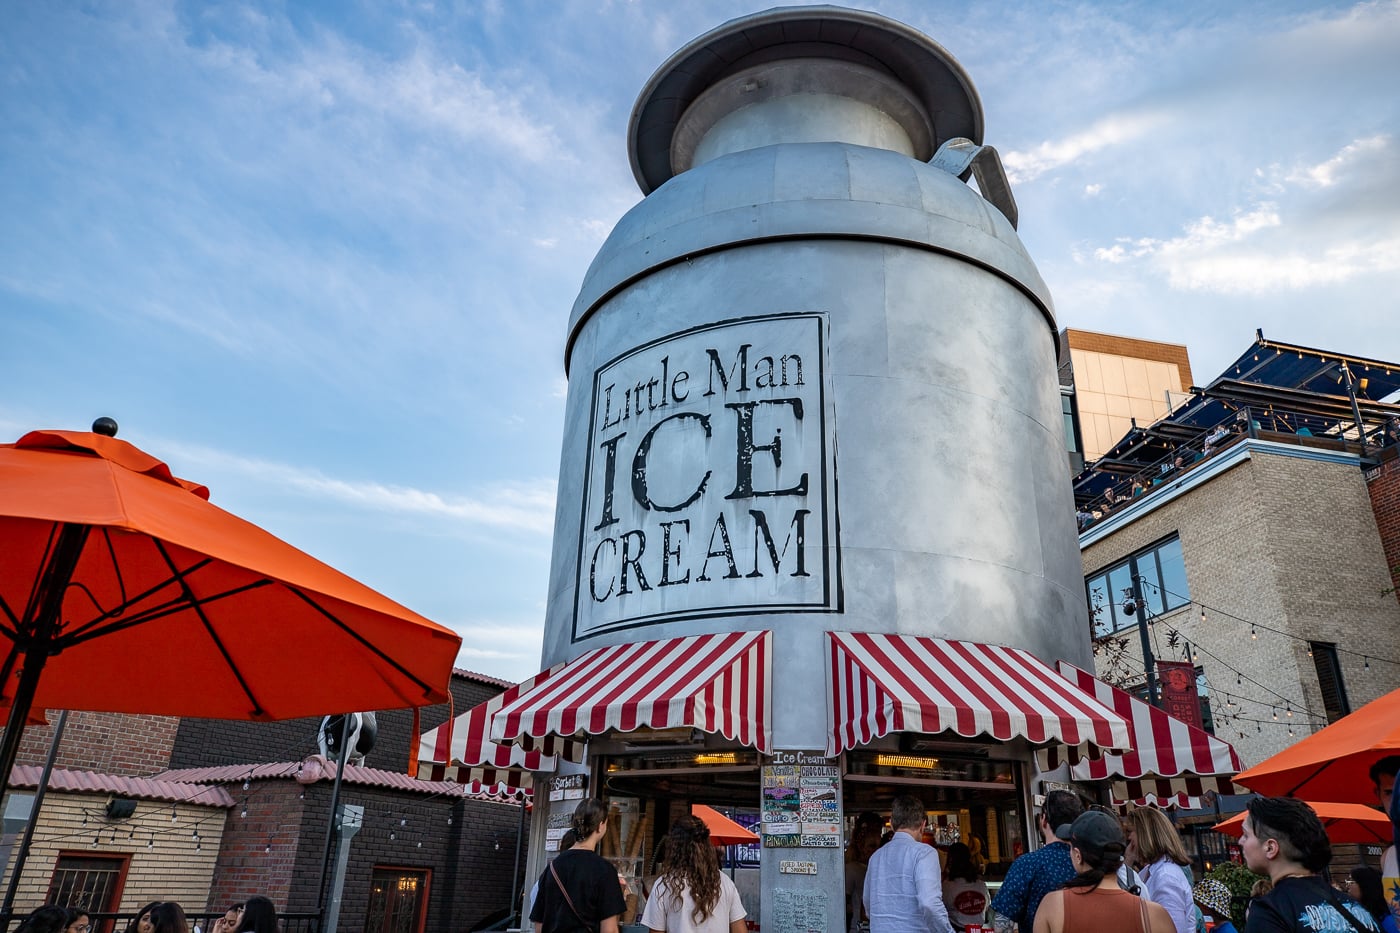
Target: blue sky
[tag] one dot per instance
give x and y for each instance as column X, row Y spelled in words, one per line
column 320, row 256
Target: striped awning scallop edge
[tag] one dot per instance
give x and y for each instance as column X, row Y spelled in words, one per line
column 882, row 683
column 461, row 750
column 715, row 683
column 1170, row 761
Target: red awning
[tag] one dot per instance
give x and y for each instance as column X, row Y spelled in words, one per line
column 714, row 683
column 916, row 683
column 461, row 750
column 1170, row 761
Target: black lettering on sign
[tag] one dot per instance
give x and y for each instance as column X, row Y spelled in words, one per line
column 728, row 502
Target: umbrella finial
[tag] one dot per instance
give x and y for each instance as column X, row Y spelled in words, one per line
column 105, row 426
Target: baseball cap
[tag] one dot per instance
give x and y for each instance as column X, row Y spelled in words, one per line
column 1094, row 831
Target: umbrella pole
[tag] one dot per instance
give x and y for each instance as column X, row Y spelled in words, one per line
column 36, row 639
column 7, row 909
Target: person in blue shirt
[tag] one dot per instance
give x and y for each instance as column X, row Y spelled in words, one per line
column 1036, row 874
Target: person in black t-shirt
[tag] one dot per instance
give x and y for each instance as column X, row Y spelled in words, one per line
column 1284, row 839
column 579, row 891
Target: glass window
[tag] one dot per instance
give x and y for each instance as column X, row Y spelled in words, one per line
column 1161, row 573
column 1173, row 575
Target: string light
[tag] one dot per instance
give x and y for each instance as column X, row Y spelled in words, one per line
column 246, row 784
column 1252, row 633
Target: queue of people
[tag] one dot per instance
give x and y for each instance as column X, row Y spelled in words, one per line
column 256, row 915
column 1096, row 873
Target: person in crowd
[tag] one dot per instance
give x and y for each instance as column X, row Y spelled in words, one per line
column 964, row 892
column 903, row 885
column 1139, row 487
column 1036, row 874
column 257, row 915
column 229, row 921
column 79, row 921
column 141, row 923
column 1213, row 897
column 1084, row 517
column 169, row 917
column 1092, row 901
column 1383, row 780
column 1158, row 858
column 47, row 919
column 1257, row 890
column 1364, row 886
column 864, row 841
column 579, row 892
column 691, row 894
column 1284, row 839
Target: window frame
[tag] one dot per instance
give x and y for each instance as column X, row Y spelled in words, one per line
column 1157, row 600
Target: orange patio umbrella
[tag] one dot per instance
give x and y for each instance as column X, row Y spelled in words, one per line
column 1344, row 822
column 1332, row 763
column 723, row 830
column 129, row 592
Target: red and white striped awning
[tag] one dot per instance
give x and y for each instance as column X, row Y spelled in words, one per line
column 1170, row 761
column 461, row 750
column 917, row 683
column 714, row 683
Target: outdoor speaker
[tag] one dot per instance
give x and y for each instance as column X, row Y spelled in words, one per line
column 119, row 808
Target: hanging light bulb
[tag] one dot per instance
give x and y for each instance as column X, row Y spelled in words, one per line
column 269, row 846
column 1367, row 664
column 449, row 821
column 246, row 784
column 1275, row 714
column 392, row 835
column 1290, row 731
column 174, row 817
column 420, row 843
column 244, row 814
column 151, row 844
column 302, row 795
column 403, row 821
column 1203, row 614
column 1238, row 681
column 1290, row 709
column 1252, row 632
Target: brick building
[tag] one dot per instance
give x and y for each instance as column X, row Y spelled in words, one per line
column 1262, row 557
column 427, row 858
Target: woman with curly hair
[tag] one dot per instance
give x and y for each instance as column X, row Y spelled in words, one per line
column 691, row 895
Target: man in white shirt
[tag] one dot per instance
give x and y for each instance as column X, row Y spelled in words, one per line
column 904, row 885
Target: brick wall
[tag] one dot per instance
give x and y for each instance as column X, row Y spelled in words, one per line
column 455, row 840
column 1290, row 544
column 1384, row 487
column 205, row 742
column 166, row 862
column 112, row 743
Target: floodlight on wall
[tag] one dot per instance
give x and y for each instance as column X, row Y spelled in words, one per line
column 120, row 808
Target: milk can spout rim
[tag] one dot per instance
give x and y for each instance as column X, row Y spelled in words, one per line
column 934, row 76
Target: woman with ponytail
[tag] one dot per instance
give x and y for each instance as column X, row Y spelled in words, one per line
column 1092, row 901
column 691, row 895
column 579, row 891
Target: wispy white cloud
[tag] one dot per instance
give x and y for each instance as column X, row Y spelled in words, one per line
column 526, row 507
column 1324, row 223
column 1111, row 131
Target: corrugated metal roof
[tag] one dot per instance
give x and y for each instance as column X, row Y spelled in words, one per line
column 158, row 787
column 318, row 769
